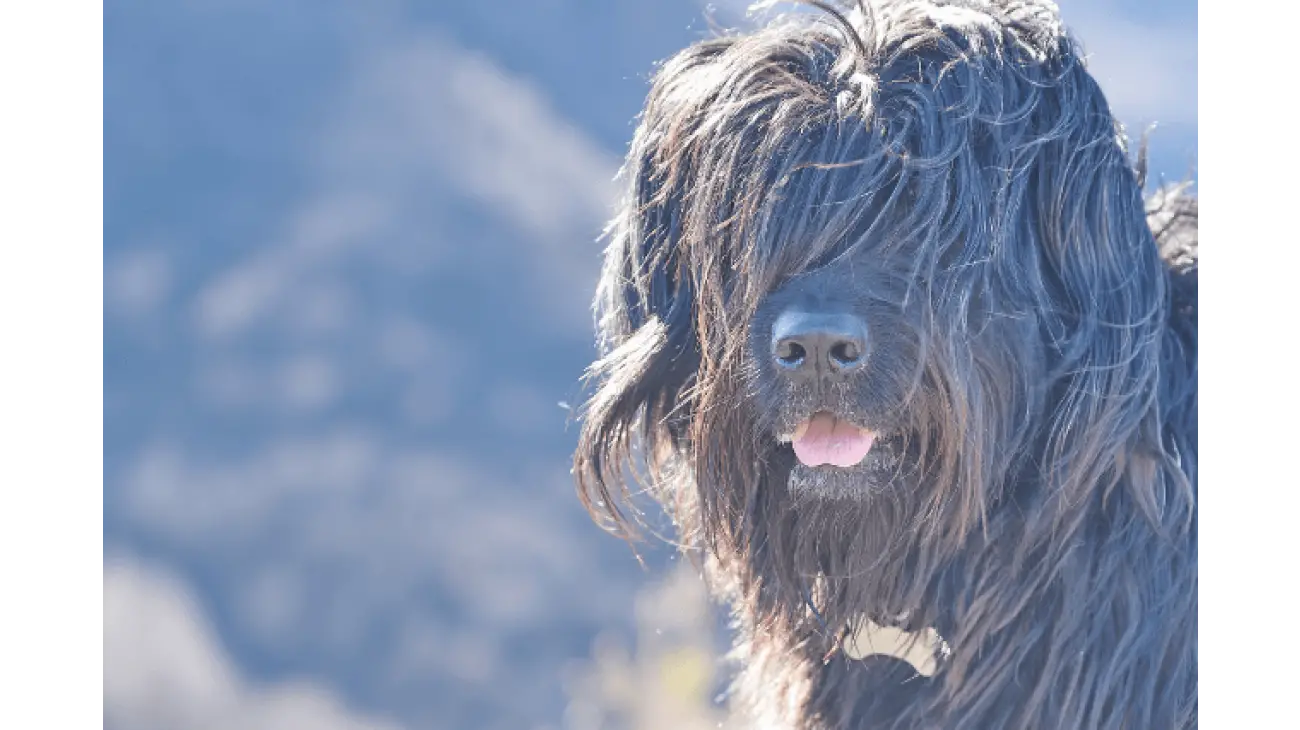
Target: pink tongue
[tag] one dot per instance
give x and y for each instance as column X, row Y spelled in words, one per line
column 832, row 441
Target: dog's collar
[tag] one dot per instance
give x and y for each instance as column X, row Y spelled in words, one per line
column 864, row 637
column 922, row 649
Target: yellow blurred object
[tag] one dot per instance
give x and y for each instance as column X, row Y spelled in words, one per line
column 685, row 673
column 667, row 680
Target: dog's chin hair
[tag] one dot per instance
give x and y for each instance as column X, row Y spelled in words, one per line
column 875, row 476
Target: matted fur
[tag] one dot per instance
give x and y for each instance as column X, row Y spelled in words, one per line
column 952, row 173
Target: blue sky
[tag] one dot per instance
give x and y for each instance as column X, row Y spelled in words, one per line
column 348, row 255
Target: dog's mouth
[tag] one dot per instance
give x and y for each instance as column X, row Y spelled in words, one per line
column 826, row 439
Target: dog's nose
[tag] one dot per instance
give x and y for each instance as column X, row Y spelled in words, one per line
column 808, row 344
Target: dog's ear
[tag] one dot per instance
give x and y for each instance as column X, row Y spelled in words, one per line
column 645, row 309
column 649, row 355
column 1108, row 315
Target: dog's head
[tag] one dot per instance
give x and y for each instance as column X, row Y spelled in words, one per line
column 891, row 265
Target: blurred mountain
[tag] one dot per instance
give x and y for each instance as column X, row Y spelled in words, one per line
column 350, row 249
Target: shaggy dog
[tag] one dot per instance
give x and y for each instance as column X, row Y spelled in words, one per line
column 889, row 331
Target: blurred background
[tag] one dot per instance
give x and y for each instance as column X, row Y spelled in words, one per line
column 349, row 249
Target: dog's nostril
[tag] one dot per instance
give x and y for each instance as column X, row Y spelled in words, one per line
column 790, row 354
column 846, row 353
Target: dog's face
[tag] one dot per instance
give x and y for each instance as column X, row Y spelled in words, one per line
column 864, row 371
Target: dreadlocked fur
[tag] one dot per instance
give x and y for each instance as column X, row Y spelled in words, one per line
column 952, row 174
